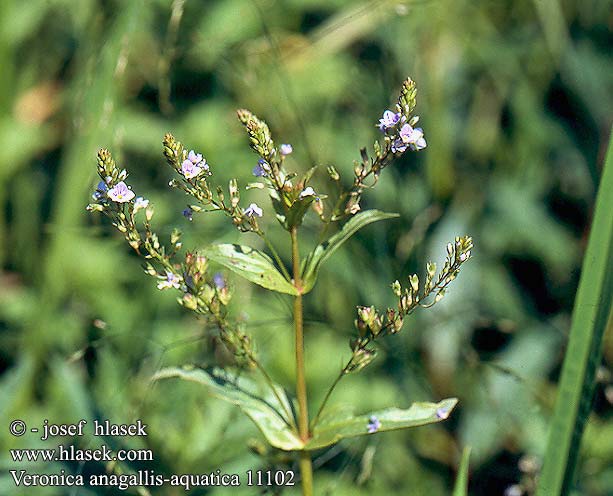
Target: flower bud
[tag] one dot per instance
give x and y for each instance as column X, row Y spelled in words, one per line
column 333, row 173
column 414, row 280
column 189, row 301
column 396, row 288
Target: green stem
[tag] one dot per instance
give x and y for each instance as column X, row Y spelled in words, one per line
column 276, row 256
column 290, row 418
column 327, row 397
column 306, row 467
column 223, row 327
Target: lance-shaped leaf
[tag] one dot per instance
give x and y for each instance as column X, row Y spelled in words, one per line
column 340, row 425
column 254, row 265
column 313, row 262
column 266, row 412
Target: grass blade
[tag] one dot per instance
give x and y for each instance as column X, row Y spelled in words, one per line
column 591, row 313
column 461, row 483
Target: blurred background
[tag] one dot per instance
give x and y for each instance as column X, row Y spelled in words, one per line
column 516, row 102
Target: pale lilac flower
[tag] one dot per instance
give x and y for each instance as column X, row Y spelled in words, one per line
column 253, row 211
column 101, row 190
column 219, row 280
column 140, row 203
column 190, row 170
column 188, row 213
column 443, row 413
column 286, row 149
column 308, row 191
column 373, row 424
column 414, row 137
column 389, row 120
column 172, row 281
column 194, row 157
column 120, row 193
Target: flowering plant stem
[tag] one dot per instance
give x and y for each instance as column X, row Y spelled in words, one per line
column 209, row 295
column 306, row 467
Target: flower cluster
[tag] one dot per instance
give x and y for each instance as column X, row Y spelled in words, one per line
column 290, row 199
column 372, row 325
column 194, row 179
column 204, row 294
column 399, row 135
column 194, row 165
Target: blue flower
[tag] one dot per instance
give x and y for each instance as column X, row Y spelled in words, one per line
column 253, row 211
column 373, row 424
column 399, row 146
column 258, row 171
column 442, row 413
column 101, row 190
column 219, row 280
column 389, row 120
column 286, row 149
column 120, row 193
column 188, row 213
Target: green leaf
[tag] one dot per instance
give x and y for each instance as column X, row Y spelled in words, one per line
column 323, row 251
column 297, row 211
column 461, row 482
column 340, row 425
column 266, row 412
column 592, row 315
column 254, row 265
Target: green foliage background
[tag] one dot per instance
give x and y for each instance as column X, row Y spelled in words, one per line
column 516, row 100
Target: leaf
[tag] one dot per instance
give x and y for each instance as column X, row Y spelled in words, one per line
column 297, row 211
column 265, row 412
column 341, row 425
column 461, row 482
column 324, row 250
column 592, row 315
column 254, row 265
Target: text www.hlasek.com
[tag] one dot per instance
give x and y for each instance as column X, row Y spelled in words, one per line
column 70, row 453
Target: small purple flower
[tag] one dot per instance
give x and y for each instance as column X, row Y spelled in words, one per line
column 414, row 137
column 373, row 424
column 389, row 120
column 172, row 281
column 443, row 413
column 399, row 146
column 194, row 158
column 188, row 213
column 258, row 171
column 120, row 193
column 101, row 190
column 286, row 149
column 189, row 169
column 253, row 211
column 219, row 280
